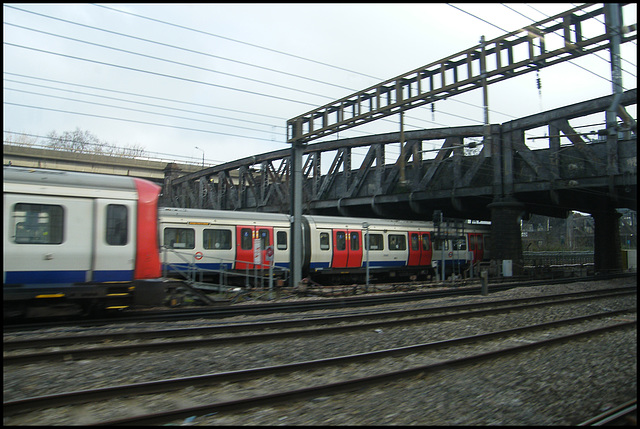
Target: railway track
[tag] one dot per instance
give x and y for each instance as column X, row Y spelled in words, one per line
column 225, row 311
column 323, row 375
column 494, row 345
column 623, row 415
column 119, row 343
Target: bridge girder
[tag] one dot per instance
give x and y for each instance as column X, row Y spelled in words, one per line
column 458, row 179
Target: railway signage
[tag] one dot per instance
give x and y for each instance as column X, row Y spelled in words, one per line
column 198, row 256
column 269, row 253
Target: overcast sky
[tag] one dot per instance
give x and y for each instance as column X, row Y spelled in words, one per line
column 226, row 77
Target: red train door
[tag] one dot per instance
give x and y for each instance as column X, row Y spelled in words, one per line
column 476, row 246
column 354, row 243
column 245, row 245
column 347, row 248
column 425, row 257
column 419, row 249
column 415, row 249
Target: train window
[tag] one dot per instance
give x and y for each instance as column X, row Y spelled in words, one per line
column 472, row 242
column 479, row 242
column 264, row 238
column 460, row 244
column 180, row 238
column 38, row 223
column 426, row 242
column 355, row 240
column 218, row 239
column 281, row 240
column 415, row 245
column 246, row 239
column 397, row 242
column 376, row 242
column 324, row 241
column 117, row 225
column 341, row 242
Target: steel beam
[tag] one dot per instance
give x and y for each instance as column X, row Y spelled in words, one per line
column 407, row 91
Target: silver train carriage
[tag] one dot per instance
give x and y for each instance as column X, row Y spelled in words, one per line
column 76, row 241
column 333, row 247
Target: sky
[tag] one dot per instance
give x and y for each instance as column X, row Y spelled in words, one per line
column 219, row 81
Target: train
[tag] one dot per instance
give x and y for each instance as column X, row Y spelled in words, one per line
column 79, row 242
column 334, row 249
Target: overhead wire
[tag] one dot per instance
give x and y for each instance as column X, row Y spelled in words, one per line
column 235, row 40
column 169, row 61
column 135, row 102
column 155, row 73
column 209, row 106
column 96, row 28
column 269, row 49
column 187, row 50
column 183, row 48
column 136, row 110
column 135, row 121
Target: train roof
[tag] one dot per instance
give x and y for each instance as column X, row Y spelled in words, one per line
column 354, row 222
column 224, row 215
column 188, row 214
column 35, row 180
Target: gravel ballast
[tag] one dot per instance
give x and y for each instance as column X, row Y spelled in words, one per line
column 563, row 384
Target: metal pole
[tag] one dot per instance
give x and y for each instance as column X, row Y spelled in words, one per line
column 271, row 277
column 485, row 100
column 402, row 173
column 442, row 254
column 296, row 211
column 202, row 155
column 613, row 20
column 365, row 225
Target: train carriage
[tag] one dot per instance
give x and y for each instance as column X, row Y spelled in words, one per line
column 338, row 246
column 77, row 237
column 213, row 240
column 333, row 248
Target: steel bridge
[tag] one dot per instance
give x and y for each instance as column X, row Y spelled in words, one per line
column 505, row 181
column 577, row 175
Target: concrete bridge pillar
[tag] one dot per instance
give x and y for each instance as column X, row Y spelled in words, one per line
column 607, row 255
column 506, row 240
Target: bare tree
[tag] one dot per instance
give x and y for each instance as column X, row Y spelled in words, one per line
column 85, row 142
column 75, row 141
column 19, row 139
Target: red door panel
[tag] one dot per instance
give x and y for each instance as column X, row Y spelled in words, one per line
column 425, row 256
column 476, row 245
column 244, row 247
column 419, row 249
column 415, row 249
column 340, row 249
column 354, row 245
column 245, row 236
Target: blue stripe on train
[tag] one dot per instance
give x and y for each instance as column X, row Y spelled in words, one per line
column 50, row 277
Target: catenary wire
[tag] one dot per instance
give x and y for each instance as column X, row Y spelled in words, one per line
column 128, row 101
column 138, row 110
column 445, row 112
column 139, row 122
column 204, row 54
column 183, row 49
